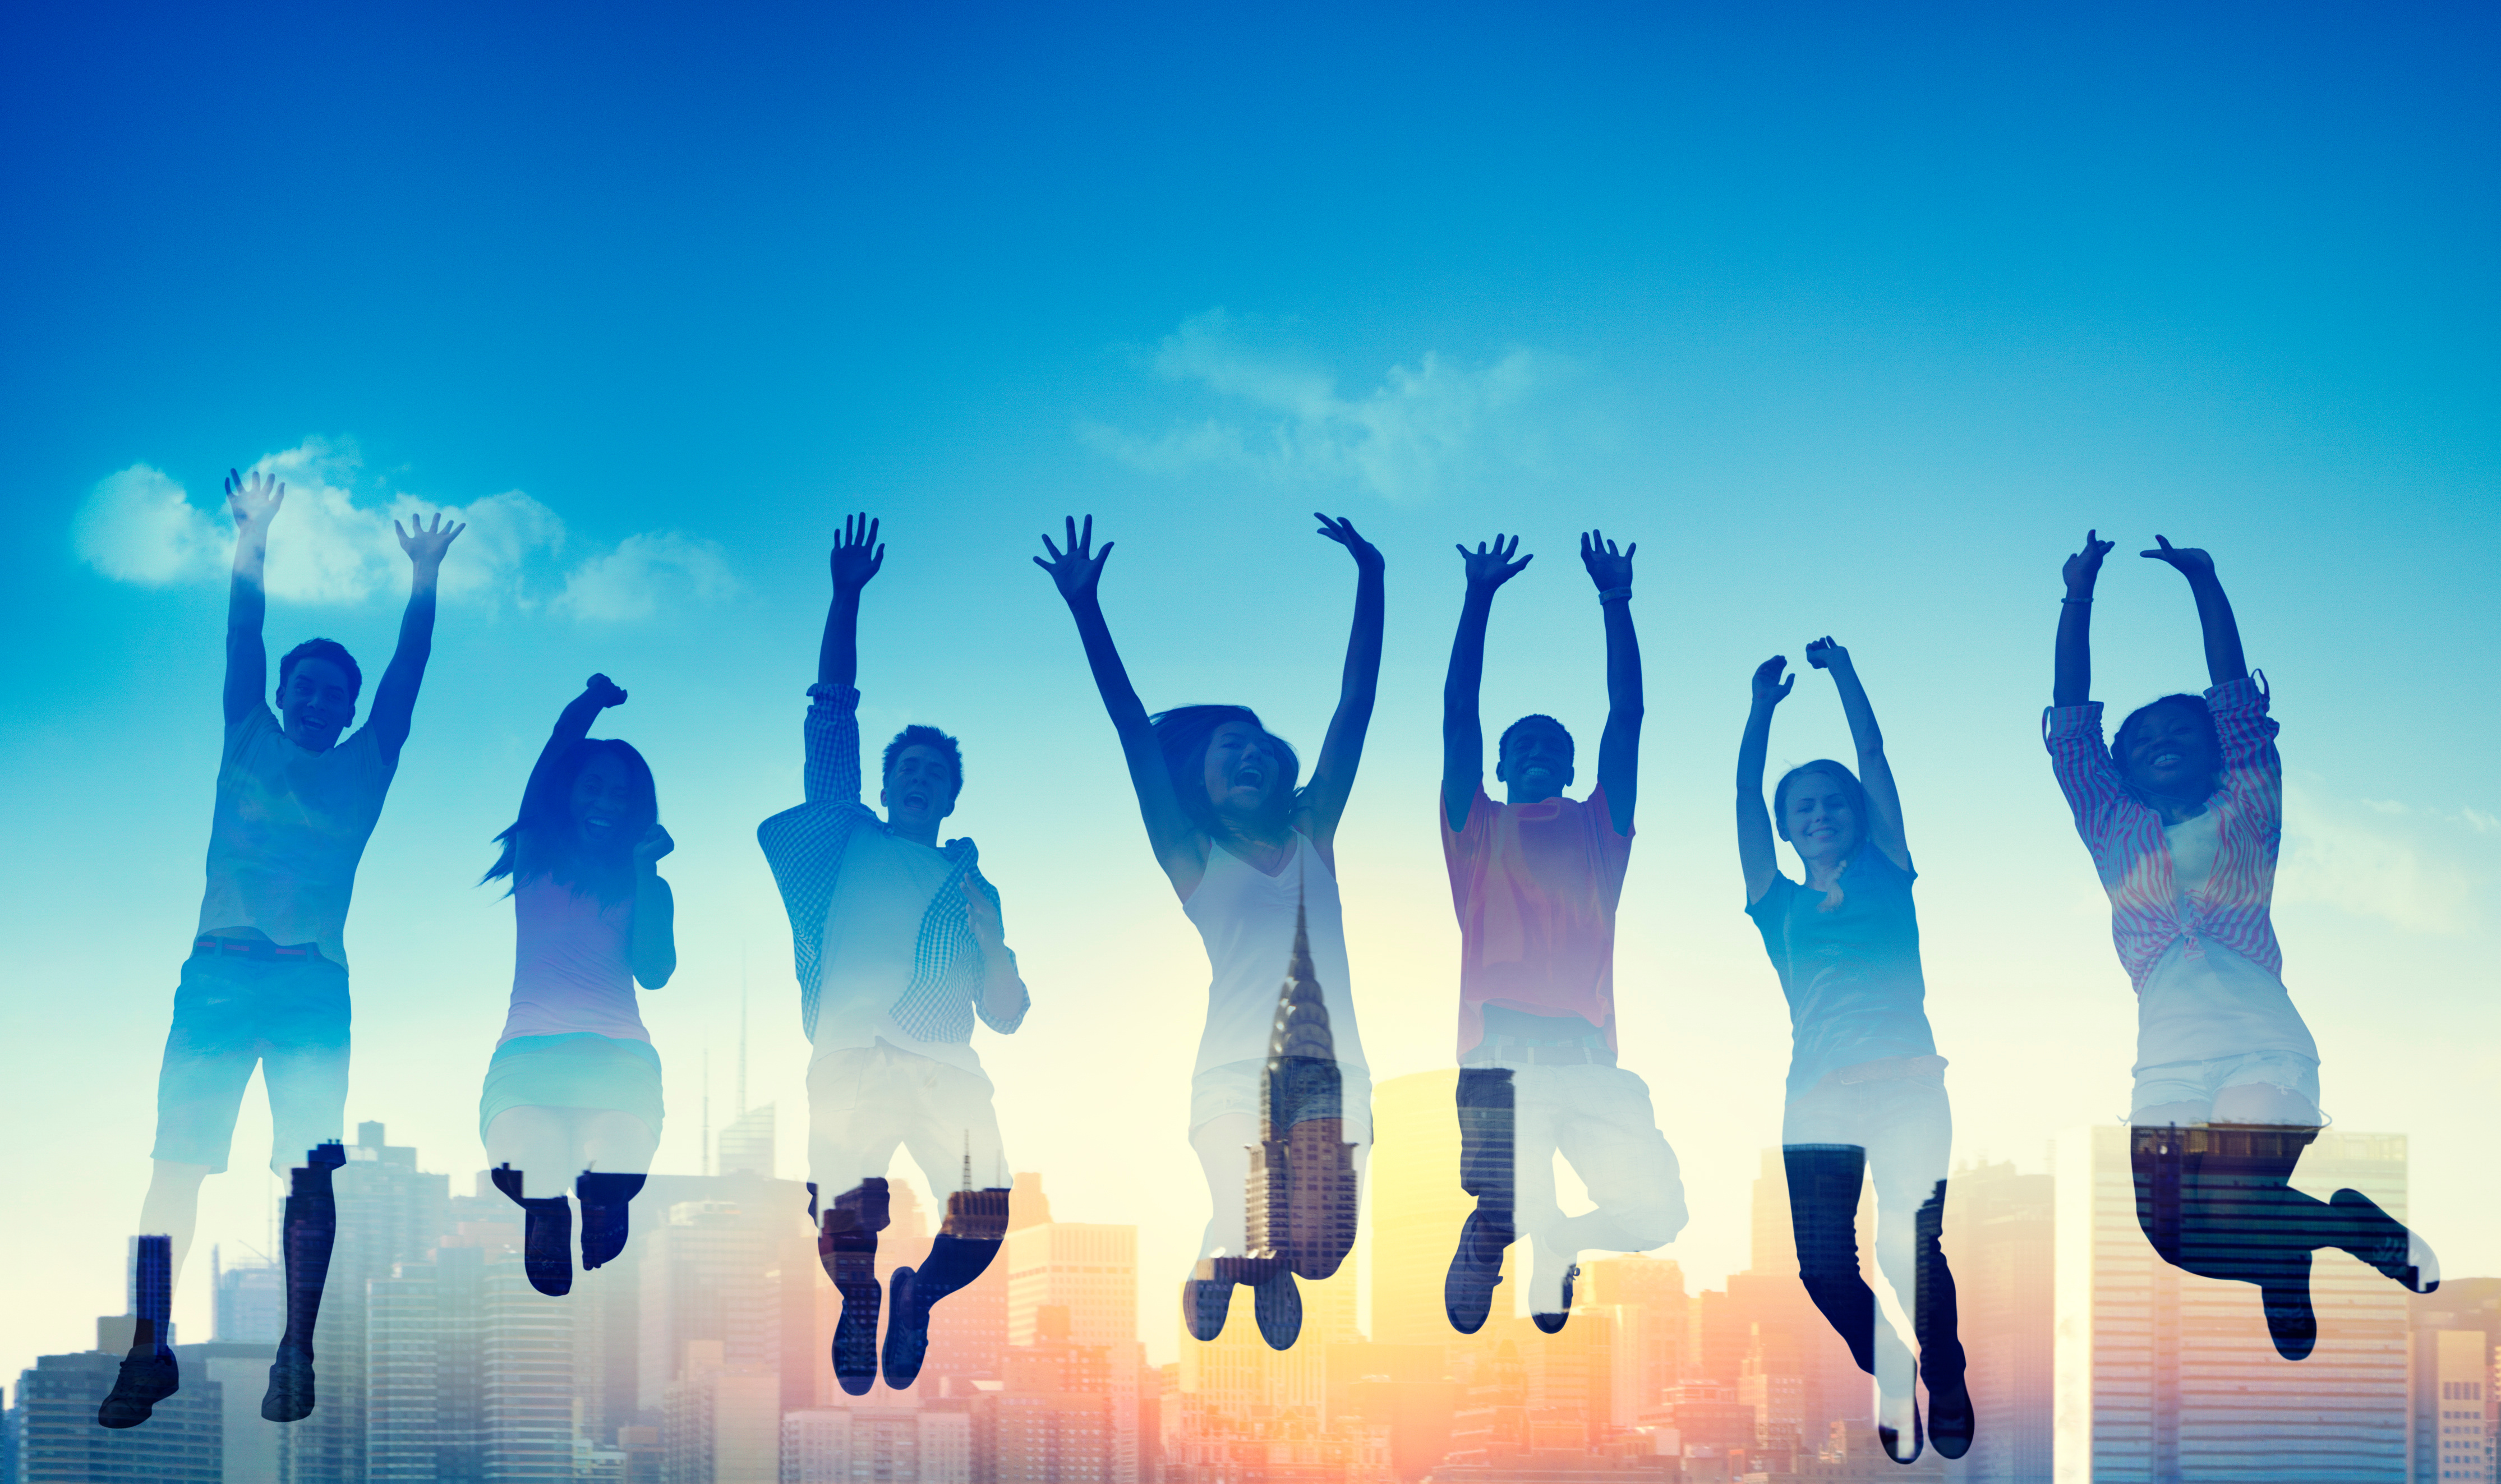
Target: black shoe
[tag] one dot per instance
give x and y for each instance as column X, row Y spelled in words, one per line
column 1279, row 1307
column 547, row 1246
column 847, row 1245
column 148, row 1375
column 1891, row 1438
column 1950, row 1422
column 906, row 1331
column 2290, row 1322
column 2389, row 1244
column 290, row 1397
column 1467, row 1290
column 1205, row 1300
column 604, row 1209
column 1553, row 1324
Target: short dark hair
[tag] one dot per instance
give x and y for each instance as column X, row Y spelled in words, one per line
column 329, row 649
column 2195, row 706
column 919, row 735
column 1533, row 718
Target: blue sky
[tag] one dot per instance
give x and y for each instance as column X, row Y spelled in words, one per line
column 1854, row 318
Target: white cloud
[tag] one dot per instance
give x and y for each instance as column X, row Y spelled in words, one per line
column 2420, row 870
column 325, row 548
column 630, row 581
column 1405, row 438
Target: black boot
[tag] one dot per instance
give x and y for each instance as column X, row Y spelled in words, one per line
column 977, row 1222
column 547, row 1235
column 148, row 1373
column 312, row 1227
column 847, row 1245
column 604, row 1199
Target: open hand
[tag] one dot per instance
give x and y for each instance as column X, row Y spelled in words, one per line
column 654, row 843
column 424, row 543
column 1606, row 569
column 981, row 915
column 1769, row 688
column 1491, row 566
column 1341, row 530
column 858, row 556
column 603, row 690
column 252, row 501
column 1076, row 570
column 1823, row 654
column 2190, row 562
column 2084, row 568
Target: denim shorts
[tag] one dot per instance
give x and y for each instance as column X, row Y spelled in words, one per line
column 2202, row 1082
column 287, row 1016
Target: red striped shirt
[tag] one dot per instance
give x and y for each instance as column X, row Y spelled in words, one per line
column 2148, row 913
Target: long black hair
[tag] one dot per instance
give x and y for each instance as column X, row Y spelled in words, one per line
column 546, row 841
column 1183, row 734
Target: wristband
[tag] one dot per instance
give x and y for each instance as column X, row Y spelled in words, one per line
column 2086, row 602
column 1607, row 595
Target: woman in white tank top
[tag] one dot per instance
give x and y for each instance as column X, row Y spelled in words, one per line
column 1250, row 857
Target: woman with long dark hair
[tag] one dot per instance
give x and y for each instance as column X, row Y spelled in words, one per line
column 573, row 1093
column 1866, row 1092
column 1253, row 859
column 2183, row 814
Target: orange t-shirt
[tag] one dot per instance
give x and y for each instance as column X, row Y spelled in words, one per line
column 1535, row 886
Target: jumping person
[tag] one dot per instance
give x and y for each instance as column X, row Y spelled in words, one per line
column 2183, row 814
column 898, row 946
column 572, row 1091
column 1250, row 856
column 1535, row 880
column 1866, row 1091
column 266, row 983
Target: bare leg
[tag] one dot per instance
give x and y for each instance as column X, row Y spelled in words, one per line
column 172, row 1209
column 1224, row 1144
column 539, row 1144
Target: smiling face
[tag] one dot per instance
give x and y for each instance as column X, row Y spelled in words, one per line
column 1242, row 770
column 316, row 703
column 1818, row 816
column 1536, row 762
column 602, row 800
column 2168, row 750
column 920, row 791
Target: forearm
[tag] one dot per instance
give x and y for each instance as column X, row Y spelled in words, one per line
column 1752, row 750
column 1361, row 679
column 655, row 933
column 2222, row 633
column 1103, row 660
column 838, row 652
column 1623, row 661
column 1465, row 679
column 1004, row 1000
column 2074, row 683
column 1859, row 710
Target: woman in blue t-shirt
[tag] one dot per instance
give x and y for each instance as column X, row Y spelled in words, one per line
column 1866, row 1087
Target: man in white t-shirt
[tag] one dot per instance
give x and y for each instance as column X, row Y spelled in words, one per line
column 266, row 983
column 898, row 946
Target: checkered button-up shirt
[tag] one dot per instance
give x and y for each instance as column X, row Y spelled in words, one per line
column 2147, row 912
column 805, row 847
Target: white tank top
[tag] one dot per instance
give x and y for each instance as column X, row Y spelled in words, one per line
column 1247, row 920
column 573, row 965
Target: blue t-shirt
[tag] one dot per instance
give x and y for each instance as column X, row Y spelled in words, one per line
column 1852, row 974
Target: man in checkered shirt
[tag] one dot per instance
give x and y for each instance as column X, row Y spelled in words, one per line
column 898, row 944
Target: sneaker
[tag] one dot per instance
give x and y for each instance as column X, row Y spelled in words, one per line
column 148, row 1377
column 1553, row 1324
column 1205, row 1300
column 290, row 1397
column 1891, row 1413
column 2290, row 1322
column 605, row 1207
column 1467, row 1290
column 1278, row 1305
column 1950, row 1421
column 906, row 1331
column 2399, row 1252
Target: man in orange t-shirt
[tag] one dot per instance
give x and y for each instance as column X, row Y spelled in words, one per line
column 1535, row 880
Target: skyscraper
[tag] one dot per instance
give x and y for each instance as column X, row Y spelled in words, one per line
column 1084, row 1278
column 1416, row 1207
column 1302, row 1192
column 2455, row 1332
column 2163, row 1375
column 1998, row 1236
column 54, row 1429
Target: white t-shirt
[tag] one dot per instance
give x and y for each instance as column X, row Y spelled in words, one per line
column 872, row 936
column 289, row 828
column 573, row 965
column 2214, row 1002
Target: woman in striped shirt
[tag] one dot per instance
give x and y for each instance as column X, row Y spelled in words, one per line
column 2184, row 814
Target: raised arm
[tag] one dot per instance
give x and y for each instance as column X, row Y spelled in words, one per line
column 1178, row 845
column 253, row 502
column 855, row 559
column 1620, row 746
column 1462, row 728
column 571, row 725
column 655, row 912
column 1341, row 750
column 395, row 699
column 1755, row 851
column 2224, row 661
column 2073, row 684
column 1884, row 800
